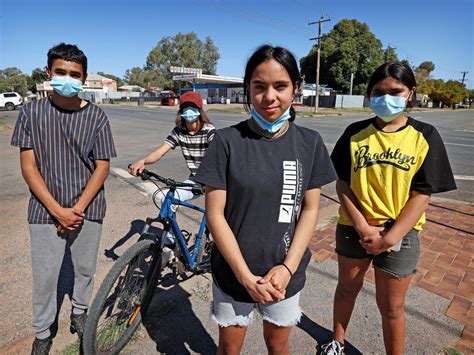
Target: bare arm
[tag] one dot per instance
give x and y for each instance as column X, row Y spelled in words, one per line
column 350, row 204
column 95, row 183
column 69, row 218
column 279, row 276
column 151, row 158
column 228, row 247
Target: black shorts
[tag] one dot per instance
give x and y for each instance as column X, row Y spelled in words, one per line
column 398, row 263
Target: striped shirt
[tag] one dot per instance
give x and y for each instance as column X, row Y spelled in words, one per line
column 65, row 145
column 194, row 146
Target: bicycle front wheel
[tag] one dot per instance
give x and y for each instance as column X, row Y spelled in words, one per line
column 115, row 313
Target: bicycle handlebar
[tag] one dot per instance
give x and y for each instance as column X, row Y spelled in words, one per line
column 147, row 175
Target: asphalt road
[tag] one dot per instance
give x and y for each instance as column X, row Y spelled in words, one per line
column 139, row 130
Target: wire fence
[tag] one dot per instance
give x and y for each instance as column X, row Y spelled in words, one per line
column 429, row 220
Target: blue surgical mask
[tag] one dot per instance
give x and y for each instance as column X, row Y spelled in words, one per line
column 66, row 86
column 271, row 127
column 190, row 114
column 388, row 107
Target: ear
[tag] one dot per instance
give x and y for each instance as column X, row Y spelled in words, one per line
column 296, row 88
column 48, row 72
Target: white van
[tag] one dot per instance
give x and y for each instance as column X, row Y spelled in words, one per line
column 10, row 100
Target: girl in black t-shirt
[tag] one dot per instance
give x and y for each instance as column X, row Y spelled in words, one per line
column 263, row 178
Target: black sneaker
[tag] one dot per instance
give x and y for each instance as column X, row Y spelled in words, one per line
column 42, row 346
column 78, row 323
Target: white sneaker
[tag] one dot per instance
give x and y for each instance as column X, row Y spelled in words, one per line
column 332, row 348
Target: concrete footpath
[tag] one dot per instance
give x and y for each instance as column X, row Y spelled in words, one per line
column 439, row 304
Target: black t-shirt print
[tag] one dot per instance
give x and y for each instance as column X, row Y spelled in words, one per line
column 265, row 180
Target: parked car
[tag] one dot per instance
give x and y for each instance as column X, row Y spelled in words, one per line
column 10, row 100
column 461, row 105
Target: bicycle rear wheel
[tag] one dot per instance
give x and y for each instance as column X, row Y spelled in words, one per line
column 124, row 294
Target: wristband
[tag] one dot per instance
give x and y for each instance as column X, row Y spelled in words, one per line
column 282, row 263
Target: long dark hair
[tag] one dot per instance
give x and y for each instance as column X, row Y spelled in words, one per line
column 397, row 70
column 279, row 54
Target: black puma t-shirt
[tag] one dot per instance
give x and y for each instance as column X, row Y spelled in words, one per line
column 265, row 180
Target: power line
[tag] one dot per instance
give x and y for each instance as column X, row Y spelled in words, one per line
column 256, row 18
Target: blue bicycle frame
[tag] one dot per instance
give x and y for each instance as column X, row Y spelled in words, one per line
column 168, row 218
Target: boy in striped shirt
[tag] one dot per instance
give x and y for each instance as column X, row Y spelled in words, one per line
column 65, row 146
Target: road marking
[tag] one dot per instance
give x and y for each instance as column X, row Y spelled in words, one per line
column 466, row 139
column 464, row 177
column 121, row 172
column 461, row 145
column 464, row 130
column 147, row 187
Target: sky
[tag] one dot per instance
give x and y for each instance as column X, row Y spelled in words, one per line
column 117, row 35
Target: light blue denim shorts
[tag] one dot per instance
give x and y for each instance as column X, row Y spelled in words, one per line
column 227, row 312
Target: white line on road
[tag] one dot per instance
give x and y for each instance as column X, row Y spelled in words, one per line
column 464, row 130
column 464, row 177
column 462, row 138
column 121, row 172
column 461, row 145
column 147, row 187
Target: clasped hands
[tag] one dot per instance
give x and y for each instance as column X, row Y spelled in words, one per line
column 269, row 288
column 373, row 241
column 69, row 219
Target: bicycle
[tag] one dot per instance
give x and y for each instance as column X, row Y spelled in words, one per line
column 126, row 292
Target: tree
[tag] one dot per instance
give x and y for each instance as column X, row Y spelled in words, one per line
column 449, row 93
column 38, row 75
column 182, row 50
column 349, row 47
column 118, row 80
column 13, row 79
column 390, row 55
column 423, row 71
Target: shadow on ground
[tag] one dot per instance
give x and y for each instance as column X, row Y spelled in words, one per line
column 172, row 324
column 322, row 335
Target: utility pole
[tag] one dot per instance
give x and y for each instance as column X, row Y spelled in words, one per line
column 463, row 76
column 352, row 82
column 320, row 29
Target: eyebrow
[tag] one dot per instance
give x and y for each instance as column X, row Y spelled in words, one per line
column 258, row 81
column 389, row 90
column 61, row 70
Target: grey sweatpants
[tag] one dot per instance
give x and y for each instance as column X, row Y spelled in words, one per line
column 47, row 253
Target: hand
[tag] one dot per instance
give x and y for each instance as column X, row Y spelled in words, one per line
column 137, row 167
column 262, row 293
column 69, row 219
column 369, row 232
column 375, row 245
column 278, row 277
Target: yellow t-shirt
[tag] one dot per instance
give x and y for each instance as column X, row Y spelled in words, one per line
column 382, row 168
